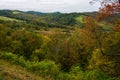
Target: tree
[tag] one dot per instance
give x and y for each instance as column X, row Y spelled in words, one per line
column 25, row 42
column 108, row 7
column 68, row 55
column 5, row 39
column 94, row 32
column 110, row 45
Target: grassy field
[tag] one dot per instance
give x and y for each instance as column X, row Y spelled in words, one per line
column 16, row 12
column 9, row 19
column 79, row 20
column 12, row 72
column 106, row 26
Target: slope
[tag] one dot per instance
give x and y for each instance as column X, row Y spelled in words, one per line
column 12, row 72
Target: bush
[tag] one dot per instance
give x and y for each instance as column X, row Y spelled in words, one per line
column 21, row 61
column 49, row 70
column 8, row 56
column 45, row 68
column 63, row 76
column 96, row 75
column 76, row 73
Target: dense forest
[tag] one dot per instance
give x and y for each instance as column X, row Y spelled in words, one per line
column 62, row 46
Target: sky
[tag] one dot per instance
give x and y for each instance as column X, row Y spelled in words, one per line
column 65, row 6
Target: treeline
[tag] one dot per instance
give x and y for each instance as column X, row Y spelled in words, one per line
column 52, row 20
column 58, row 20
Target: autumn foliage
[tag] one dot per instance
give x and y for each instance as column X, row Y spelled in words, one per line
column 109, row 7
column 90, row 52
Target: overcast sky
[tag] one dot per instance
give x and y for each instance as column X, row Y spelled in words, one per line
column 50, row 5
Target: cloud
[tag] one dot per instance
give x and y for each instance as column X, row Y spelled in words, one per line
column 49, row 5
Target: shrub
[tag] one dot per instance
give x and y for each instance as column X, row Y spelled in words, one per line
column 49, row 70
column 43, row 68
column 22, row 61
column 76, row 73
column 8, row 56
column 46, row 67
column 63, row 76
column 95, row 75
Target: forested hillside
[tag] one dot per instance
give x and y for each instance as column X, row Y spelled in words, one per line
column 61, row 46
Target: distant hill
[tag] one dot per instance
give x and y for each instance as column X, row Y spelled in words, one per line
column 35, row 12
column 55, row 19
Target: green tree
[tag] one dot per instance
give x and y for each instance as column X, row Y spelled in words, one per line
column 25, row 43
